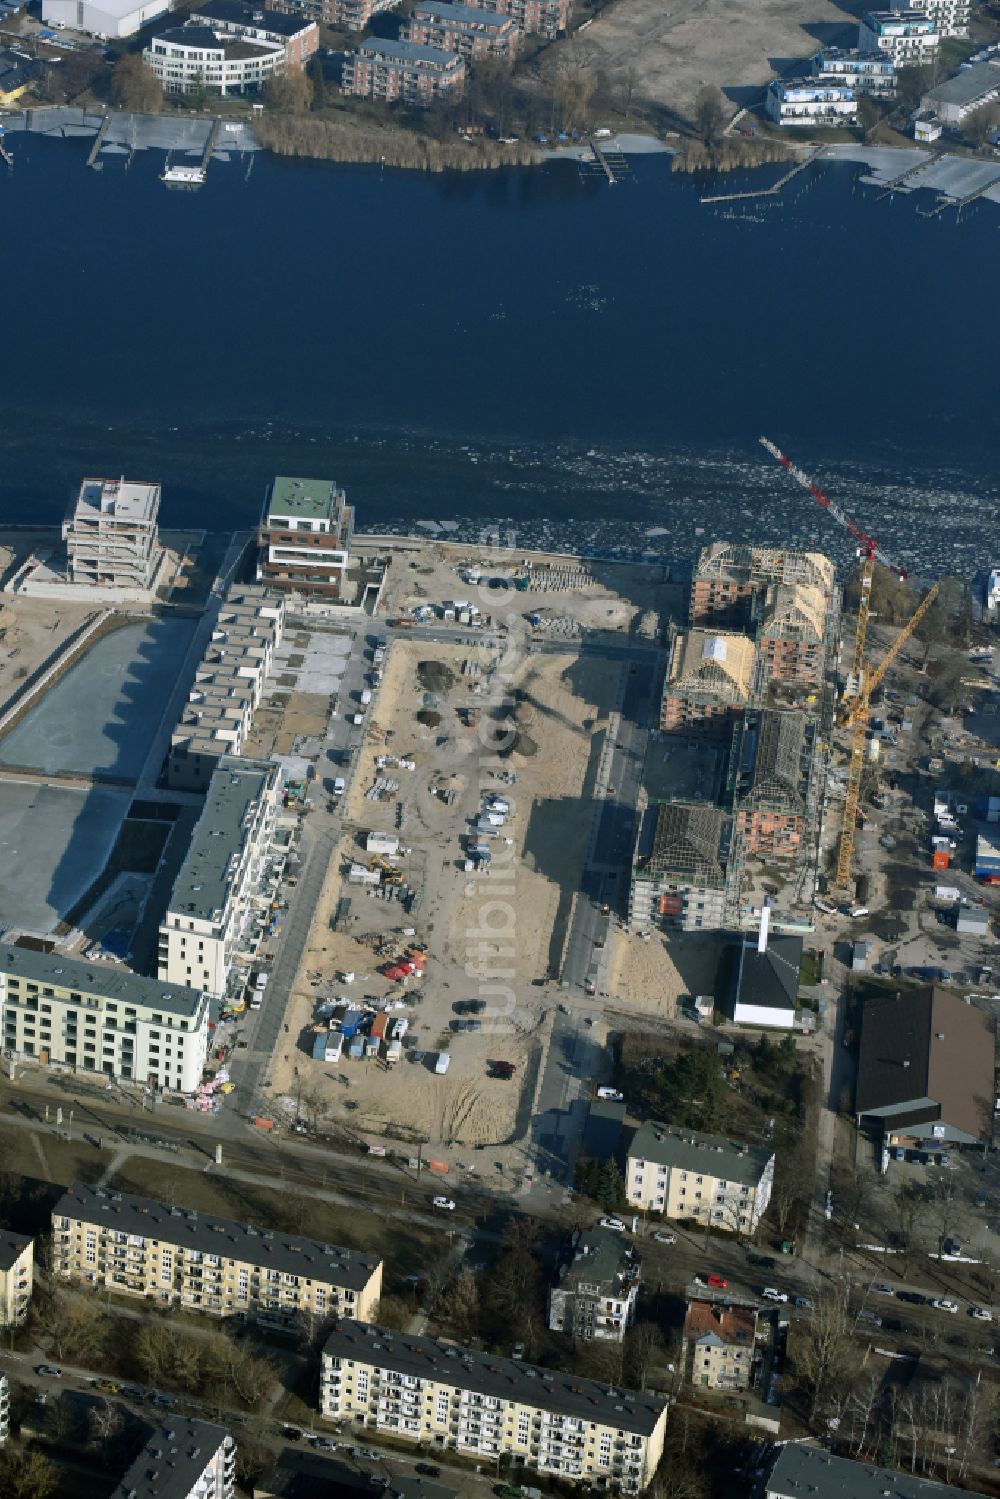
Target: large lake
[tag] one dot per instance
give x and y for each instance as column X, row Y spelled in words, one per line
column 590, row 362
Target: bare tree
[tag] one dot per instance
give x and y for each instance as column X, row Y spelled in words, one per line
column 626, row 89
column 981, row 125
column 643, row 1344
column 104, row 1422
column 460, row 1304
column 825, row 1356
column 710, row 117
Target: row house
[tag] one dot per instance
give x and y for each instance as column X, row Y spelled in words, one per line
column 686, row 1174
column 402, row 72
column 138, row 1247
column 472, row 33
column 487, row 1407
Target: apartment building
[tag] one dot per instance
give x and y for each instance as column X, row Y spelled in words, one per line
column 683, row 1173
column 17, row 1272
column 221, row 883
column 95, row 1017
column 111, row 535
column 810, row 101
column 305, row 532
column 298, row 36
column 404, row 71
column 485, row 1406
column 138, row 1247
column 463, row 29
column 183, row 1459
column 791, row 627
column 909, row 37
column 951, row 17
column 800, row 1470
column 729, row 575
column 718, row 1345
column 871, row 74
column 679, row 868
column 4, row 1409
column 346, row 15
column 187, row 59
column 709, row 681
column 775, row 762
column 548, row 18
column 597, row 1288
column 228, row 686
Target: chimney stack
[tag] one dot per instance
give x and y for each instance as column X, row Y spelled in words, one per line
column 765, row 922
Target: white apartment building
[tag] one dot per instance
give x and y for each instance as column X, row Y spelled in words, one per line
column 187, row 58
column 220, row 885
column 183, row 1459
column 683, row 1173
column 810, row 101
column 866, row 74
column 95, row 1017
column 111, row 535
column 4, row 1409
column 136, row 1246
column 228, row 686
column 485, row 1406
column 305, row 535
column 909, row 37
column 951, row 17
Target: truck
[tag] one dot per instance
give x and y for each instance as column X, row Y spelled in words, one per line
column 356, row 718
column 443, row 1063
column 366, row 696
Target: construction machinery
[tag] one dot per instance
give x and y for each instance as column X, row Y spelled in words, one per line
column 863, row 680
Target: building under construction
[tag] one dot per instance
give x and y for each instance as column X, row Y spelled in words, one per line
column 729, row 575
column 710, row 679
column 771, row 784
column 679, row 871
column 111, row 535
column 790, row 621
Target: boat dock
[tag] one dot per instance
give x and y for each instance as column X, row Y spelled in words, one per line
column 4, row 153
column 605, row 157
column 765, row 192
column 98, row 140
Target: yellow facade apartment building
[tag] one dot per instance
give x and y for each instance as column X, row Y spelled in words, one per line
column 17, row 1274
column 138, row 1247
column 688, row 1175
column 486, row 1406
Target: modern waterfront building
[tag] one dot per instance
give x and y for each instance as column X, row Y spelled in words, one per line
column 297, row 35
column 951, row 17
column 220, row 886
column 97, row 1017
column 683, row 1173
column 404, row 71
column 187, row 59
column 810, row 101
column 909, row 37
column 679, row 868
column 547, row 18
column 710, row 677
column 718, row 1344
column 305, row 535
column 228, row 686
column 485, row 1407
column 111, row 535
column 865, row 73
column 801, row 1470
column 957, row 98
column 471, row 32
column 140, row 1247
column 729, row 575
column 183, row 1459
column 108, row 19
column 17, row 1276
column 595, row 1294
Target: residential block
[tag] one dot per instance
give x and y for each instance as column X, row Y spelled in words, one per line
column 595, row 1294
column 305, row 531
column 684, row 1173
column 183, row 1459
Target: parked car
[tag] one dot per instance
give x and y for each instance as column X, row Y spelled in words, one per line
column 872, row 1317
column 762, row 1261
column 806, row 1302
column 324, row 1444
column 613, row 1223
column 664, row 1238
column 428, row 1470
column 611, row 1093
column 980, row 1313
column 166, row 1401
column 881, row 1289
column 49, row 1371
column 770, row 1293
column 719, row 1281
column 291, row 1433
column 107, row 1386
column 915, row 1298
column 943, row 1304
column 133, row 1392
column 445, row 1203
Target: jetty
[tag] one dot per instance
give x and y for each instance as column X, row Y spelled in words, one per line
column 5, row 154
column 896, row 184
column 98, row 141
column 765, row 192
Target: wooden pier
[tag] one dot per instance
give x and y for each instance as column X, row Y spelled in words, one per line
column 210, row 144
column 5, row 154
column 609, row 159
column 765, row 192
column 95, row 149
column 895, row 185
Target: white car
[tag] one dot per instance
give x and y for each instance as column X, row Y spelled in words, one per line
column 662, row 1238
column 611, row 1093
column 613, row 1223
column 943, row 1305
column 770, row 1294
column 446, row 1203
column 980, row 1313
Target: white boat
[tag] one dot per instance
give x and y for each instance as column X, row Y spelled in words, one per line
column 183, row 176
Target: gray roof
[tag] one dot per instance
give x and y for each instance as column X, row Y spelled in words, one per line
column 235, row 13
column 692, row 1150
column 460, row 15
column 173, row 1460
column 809, row 1471
column 967, row 86
column 12, row 1246
column 489, row 1374
column 600, row 1255
column 690, row 841
column 410, row 52
column 192, row 36
column 271, row 1250
column 770, row 979
column 104, row 979
column 202, row 881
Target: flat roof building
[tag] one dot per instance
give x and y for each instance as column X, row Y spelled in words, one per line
column 183, row 1459
column 685, row 1173
column 98, row 1017
column 220, row 885
column 304, row 538
column 297, row 34
column 908, row 37
column 404, row 71
column 811, row 101
column 189, row 58
column 108, row 19
column 485, row 1406
column 140, row 1247
column 595, row 1294
column 111, row 535
column 872, row 73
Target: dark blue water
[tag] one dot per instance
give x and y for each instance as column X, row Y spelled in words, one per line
column 522, row 344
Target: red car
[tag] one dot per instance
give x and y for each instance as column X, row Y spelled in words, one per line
column 719, row 1281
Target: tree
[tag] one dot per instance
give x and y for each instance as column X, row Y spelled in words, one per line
column 135, row 87
column 825, row 1358
column 870, row 113
column 105, row 1423
column 626, row 90
column 710, row 117
column 290, row 92
column 981, row 125
column 573, row 85
column 76, row 1326
column 460, row 1304
column 26, row 1475
column 643, row 1343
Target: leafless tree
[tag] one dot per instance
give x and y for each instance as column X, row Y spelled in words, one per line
column 825, row 1356
column 710, row 117
column 626, row 89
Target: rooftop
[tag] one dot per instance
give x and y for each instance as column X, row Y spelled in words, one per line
column 173, row 1460
column 982, row 79
column 236, row 13
column 810, row 1473
column 409, row 52
column 770, row 979
column 461, row 15
column 202, row 884
column 600, row 1255
column 12, row 1246
column 120, row 498
column 303, row 499
column 688, row 840
column 712, row 660
column 489, row 1374
column 290, row 1253
column 692, row 1150
column 745, row 562
column 735, row 1326
column 191, row 36
column 796, row 611
column 773, row 769
column 106, row 980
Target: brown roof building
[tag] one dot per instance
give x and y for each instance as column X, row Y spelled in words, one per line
column 925, row 1069
column 718, row 1347
column 709, row 680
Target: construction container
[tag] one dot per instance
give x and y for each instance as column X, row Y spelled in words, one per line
column 382, row 843
column 359, row 875
column 393, row 1052
column 357, row 1048
column 319, row 1047
column 443, row 1063
column 372, row 1045
column 941, row 858
column 380, row 1026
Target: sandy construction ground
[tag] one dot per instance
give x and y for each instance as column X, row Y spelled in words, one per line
column 675, row 47
column 525, row 901
column 651, row 977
